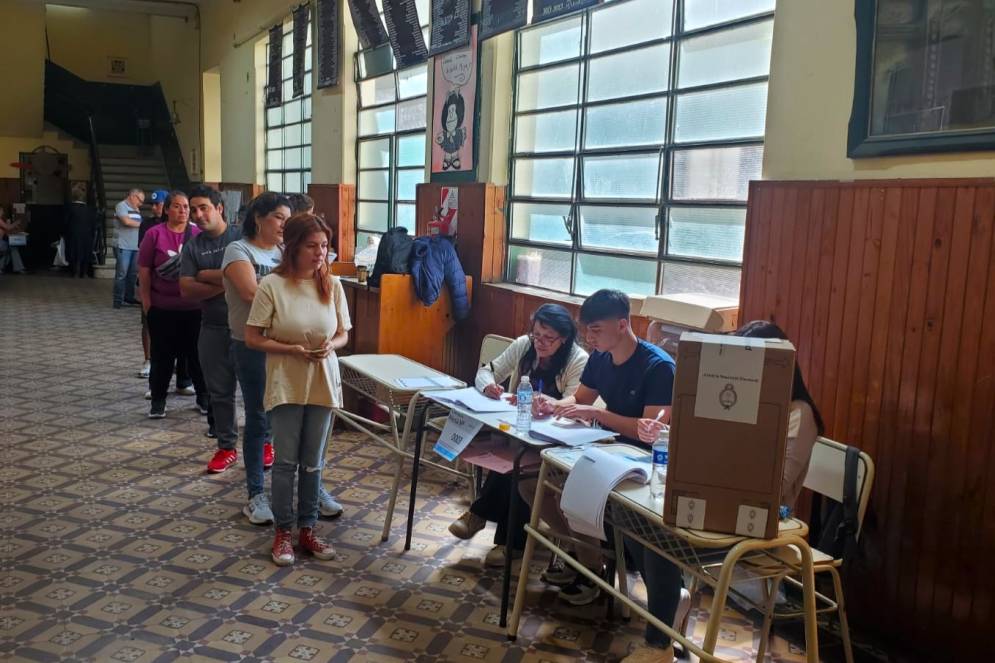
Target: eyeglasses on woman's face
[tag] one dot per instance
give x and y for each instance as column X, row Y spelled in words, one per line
column 545, row 339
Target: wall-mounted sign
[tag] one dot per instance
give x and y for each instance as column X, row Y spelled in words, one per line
column 404, row 30
column 302, row 16
column 369, row 27
column 497, row 16
column 117, row 67
column 454, row 88
column 543, row 10
column 450, row 25
column 328, row 43
column 274, row 78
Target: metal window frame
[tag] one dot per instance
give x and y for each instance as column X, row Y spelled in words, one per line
column 305, row 99
column 664, row 201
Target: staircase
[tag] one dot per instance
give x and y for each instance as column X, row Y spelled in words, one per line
column 126, row 167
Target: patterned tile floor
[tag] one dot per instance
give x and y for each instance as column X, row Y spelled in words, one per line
column 115, row 546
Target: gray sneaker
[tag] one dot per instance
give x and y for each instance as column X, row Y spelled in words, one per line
column 258, row 511
column 327, row 506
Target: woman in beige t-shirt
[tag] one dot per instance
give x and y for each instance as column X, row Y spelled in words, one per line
column 299, row 319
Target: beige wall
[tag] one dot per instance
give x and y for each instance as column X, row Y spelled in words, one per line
column 12, row 146
column 82, row 40
column 173, row 53
column 22, row 33
column 808, row 105
column 211, row 118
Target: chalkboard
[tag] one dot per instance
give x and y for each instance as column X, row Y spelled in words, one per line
column 543, row 10
column 497, row 16
column 302, row 16
column 450, row 25
column 274, row 79
column 404, row 31
column 328, row 43
column 366, row 18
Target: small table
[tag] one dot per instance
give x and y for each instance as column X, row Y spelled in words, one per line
column 378, row 377
column 632, row 512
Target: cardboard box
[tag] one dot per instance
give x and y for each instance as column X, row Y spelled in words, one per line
column 728, row 433
column 704, row 312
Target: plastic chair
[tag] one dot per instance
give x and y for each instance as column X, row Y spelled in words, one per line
column 825, row 476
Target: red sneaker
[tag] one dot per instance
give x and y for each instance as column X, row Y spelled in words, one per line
column 223, row 459
column 311, row 543
column 267, row 456
column 283, row 547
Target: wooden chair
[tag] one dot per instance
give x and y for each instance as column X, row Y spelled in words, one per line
column 825, row 476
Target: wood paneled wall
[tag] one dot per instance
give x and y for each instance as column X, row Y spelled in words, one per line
column 887, row 288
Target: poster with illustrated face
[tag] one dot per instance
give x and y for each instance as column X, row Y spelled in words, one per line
column 454, row 99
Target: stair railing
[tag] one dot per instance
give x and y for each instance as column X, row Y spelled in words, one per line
column 99, row 194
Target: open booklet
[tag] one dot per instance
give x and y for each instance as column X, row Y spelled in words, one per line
column 568, row 432
column 473, row 400
column 593, row 477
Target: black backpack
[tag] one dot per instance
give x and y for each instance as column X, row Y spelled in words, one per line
column 834, row 525
column 392, row 255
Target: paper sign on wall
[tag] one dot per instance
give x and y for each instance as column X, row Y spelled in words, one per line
column 456, row 435
column 447, row 217
column 730, row 374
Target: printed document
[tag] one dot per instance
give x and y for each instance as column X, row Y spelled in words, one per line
column 568, row 432
column 593, row 477
column 471, row 399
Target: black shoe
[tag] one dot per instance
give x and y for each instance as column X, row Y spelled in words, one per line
column 157, row 410
column 580, row 592
column 132, row 302
column 202, row 404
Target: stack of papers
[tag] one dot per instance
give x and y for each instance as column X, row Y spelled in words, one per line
column 593, row 477
column 568, row 432
column 419, row 383
column 473, row 400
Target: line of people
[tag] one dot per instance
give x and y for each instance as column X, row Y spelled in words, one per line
column 634, row 379
column 253, row 306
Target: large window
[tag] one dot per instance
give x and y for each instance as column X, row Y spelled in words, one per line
column 637, row 127
column 391, row 145
column 288, row 127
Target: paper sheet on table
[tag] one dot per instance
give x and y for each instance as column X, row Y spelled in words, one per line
column 441, row 382
column 456, row 435
column 570, row 433
column 498, row 456
column 473, row 400
column 593, row 477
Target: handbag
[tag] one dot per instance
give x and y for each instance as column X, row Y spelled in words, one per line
column 169, row 269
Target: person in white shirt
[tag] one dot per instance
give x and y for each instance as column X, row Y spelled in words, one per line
column 554, row 362
column 129, row 219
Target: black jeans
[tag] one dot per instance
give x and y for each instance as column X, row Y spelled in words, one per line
column 663, row 588
column 492, row 504
column 173, row 337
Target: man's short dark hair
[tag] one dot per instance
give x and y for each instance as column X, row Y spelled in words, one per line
column 299, row 202
column 605, row 305
column 204, row 191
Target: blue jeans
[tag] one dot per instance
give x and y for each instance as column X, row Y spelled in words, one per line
column 250, row 368
column 663, row 588
column 125, row 271
column 299, row 434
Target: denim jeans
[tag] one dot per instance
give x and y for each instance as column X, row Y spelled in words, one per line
column 299, row 434
column 663, row 588
column 125, row 271
column 250, row 367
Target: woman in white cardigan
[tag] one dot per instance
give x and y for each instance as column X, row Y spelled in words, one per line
column 550, row 356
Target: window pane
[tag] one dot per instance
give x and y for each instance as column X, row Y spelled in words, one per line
column 540, row 222
column 292, row 135
column 274, row 138
column 292, row 183
column 292, row 112
column 632, row 22
column 376, row 121
column 376, row 61
column 699, row 13
column 682, row 278
column 721, row 173
column 372, row 216
column 544, row 178
column 307, row 132
column 374, row 185
column 274, row 159
column 274, row 116
column 288, row 90
column 413, row 82
column 274, row 182
column 411, row 150
column 377, row 90
column 307, row 108
column 546, row 132
column 631, row 276
column 405, row 217
column 411, row 114
column 629, row 228
column 626, row 74
column 551, row 42
column 539, row 267
column 407, row 181
column 632, row 176
column 700, row 232
column 547, row 88
column 287, row 68
column 737, row 112
column 306, row 154
column 374, row 153
column 307, row 81
column 629, row 123
column 726, row 55
column 292, row 158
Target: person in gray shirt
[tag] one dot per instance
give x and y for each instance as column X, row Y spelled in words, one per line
column 129, row 219
column 200, row 280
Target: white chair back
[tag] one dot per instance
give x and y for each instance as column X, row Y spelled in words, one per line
column 492, row 346
column 827, row 469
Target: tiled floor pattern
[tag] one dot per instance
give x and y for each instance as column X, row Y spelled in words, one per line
column 115, row 546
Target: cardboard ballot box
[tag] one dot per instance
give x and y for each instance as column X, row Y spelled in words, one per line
column 728, row 432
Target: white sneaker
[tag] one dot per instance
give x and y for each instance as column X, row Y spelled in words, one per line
column 327, row 505
column 188, row 390
column 148, row 395
column 683, row 610
column 258, row 511
column 146, row 367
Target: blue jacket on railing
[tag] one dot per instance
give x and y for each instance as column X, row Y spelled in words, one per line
column 434, row 260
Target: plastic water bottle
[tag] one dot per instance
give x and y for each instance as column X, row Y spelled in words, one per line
column 524, row 395
column 661, row 454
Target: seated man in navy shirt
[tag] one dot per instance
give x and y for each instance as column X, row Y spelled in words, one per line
column 635, row 379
